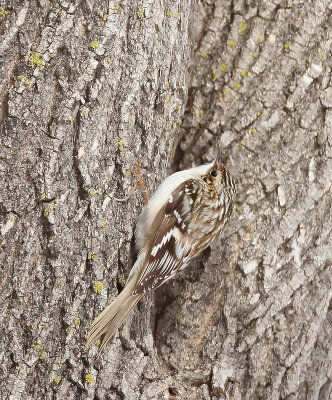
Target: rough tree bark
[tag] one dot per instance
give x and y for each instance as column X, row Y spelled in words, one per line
column 88, row 88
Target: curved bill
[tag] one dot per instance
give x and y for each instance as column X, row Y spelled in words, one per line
column 218, row 157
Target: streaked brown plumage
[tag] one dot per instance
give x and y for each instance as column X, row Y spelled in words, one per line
column 185, row 214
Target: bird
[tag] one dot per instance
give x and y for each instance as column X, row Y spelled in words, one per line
column 181, row 219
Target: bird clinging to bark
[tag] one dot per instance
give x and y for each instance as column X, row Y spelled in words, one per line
column 185, row 214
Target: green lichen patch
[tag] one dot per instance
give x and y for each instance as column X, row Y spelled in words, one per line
column 98, row 287
column 260, row 38
column 37, row 346
column 204, row 54
column 102, row 227
column 140, row 13
column 231, row 43
column 94, row 44
column 48, row 209
column 238, row 209
column 3, row 12
column 244, row 73
column 93, row 192
column 237, row 85
column 122, row 145
column 242, row 27
column 92, row 257
column 57, row 379
column 89, row 378
column 105, row 17
column 223, row 67
column 36, row 60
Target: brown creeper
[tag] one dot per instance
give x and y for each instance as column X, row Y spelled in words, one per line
column 185, row 214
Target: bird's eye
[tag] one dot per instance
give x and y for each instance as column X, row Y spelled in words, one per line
column 213, row 173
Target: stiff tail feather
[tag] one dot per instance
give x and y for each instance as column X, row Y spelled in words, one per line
column 108, row 320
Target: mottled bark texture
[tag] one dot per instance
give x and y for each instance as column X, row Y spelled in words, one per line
column 88, row 88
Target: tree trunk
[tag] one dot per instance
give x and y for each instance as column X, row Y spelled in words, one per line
column 88, row 89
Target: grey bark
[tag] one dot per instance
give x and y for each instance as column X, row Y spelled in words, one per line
column 88, row 88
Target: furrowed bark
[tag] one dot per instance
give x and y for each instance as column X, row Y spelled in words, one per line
column 90, row 88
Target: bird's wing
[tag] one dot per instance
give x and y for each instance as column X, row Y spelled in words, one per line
column 170, row 246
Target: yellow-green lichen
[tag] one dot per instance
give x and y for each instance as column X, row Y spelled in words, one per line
column 98, row 342
column 204, row 54
column 223, row 67
column 253, row 130
column 36, row 60
column 94, row 44
column 231, row 43
column 176, row 15
column 260, row 38
column 68, row 330
column 286, row 45
column 98, row 287
column 168, row 13
column 47, row 210
column 214, row 75
column 3, row 12
column 201, row 113
column 92, row 257
column 237, row 85
column 123, row 281
column 42, row 355
column 117, row 5
column 37, row 346
column 244, row 73
column 89, row 378
column 140, row 13
column 224, row 92
column 70, row 120
column 93, row 192
column 238, row 209
column 43, row 196
column 102, row 227
column 122, row 145
column 242, row 27
column 259, row 114
column 105, row 17
column 57, row 379
column 77, row 321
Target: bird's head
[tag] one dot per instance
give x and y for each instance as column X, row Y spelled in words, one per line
column 218, row 176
